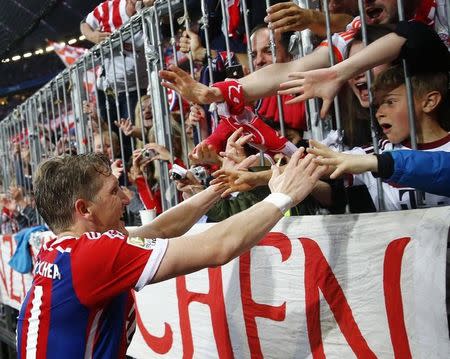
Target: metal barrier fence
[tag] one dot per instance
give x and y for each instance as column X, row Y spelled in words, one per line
column 77, row 110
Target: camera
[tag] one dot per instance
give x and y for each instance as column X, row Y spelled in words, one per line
column 200, row 173
column 178, row 173
column 148, row 153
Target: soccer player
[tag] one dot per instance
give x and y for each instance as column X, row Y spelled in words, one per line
column 80, row 303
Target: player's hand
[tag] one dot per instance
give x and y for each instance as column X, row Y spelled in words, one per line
column 148, row 3
column 342, row 162
column 191, row 90
column 298, row 178
column 287, row 16
column 323, row 83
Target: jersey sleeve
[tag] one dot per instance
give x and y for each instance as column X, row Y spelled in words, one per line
column 92, row 19
column 341, row 40
column 105, row 265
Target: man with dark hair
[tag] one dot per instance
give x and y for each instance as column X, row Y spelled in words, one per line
column 80, row 303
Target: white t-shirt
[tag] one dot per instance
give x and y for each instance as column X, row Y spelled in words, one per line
column 397, row 197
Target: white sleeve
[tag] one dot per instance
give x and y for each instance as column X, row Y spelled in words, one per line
column 158, row 247
column 92, row 21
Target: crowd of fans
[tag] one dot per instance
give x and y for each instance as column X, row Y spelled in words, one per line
column 261, row 117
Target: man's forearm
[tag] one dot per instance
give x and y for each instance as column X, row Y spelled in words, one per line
column 179, row 219
column 220, row 243
column 266, row 81
column 242, row 231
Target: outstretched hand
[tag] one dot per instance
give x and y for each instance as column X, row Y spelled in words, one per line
column 298, row 178
column 126, row 126
column 342, row 162
column 193, row 91
column 234, row 152
column 323, row 83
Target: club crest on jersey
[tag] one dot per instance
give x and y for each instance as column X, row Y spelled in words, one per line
column 144, row 243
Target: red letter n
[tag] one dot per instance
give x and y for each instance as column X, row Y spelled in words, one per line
column 318, row 274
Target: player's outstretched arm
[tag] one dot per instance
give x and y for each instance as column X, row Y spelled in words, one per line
column 179, row 219
column 235, row 235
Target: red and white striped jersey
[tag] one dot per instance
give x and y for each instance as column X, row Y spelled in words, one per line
column 108, row 16
column 80, row 303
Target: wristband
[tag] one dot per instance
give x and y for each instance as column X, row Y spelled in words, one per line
column 233, row 95
column 282, row 201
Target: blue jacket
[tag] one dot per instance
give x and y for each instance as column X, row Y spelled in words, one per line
column 21, row 260
column 428, row 171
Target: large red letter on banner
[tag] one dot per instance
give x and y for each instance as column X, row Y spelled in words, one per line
column 215, row 300
column 393, row 297
column 160, row 345
column 252, row 309
column 318, row 274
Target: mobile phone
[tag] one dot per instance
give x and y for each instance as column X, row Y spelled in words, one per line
column 234, row 72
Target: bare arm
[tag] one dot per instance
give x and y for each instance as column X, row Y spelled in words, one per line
column 237, row 234
column 340, row 163
column 381, row 51
column 179, row 219
column 325, row 83
column 262, row 83
column 266, row 82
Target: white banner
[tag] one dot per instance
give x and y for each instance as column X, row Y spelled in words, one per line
column 13, row 285
column 353, row 286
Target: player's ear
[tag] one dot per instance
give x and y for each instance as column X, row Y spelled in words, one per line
column 82, row 207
